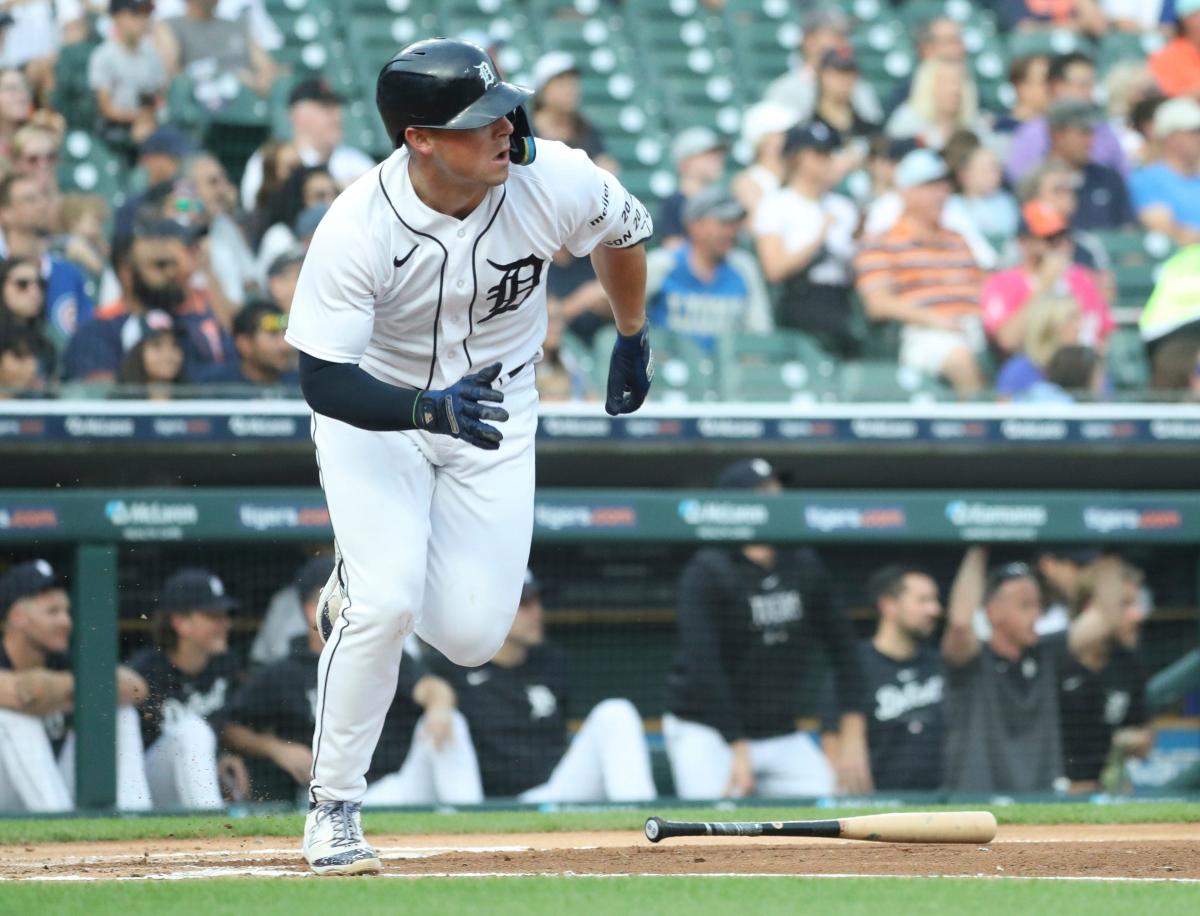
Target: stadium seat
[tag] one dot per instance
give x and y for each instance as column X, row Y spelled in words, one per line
column 781, row 366
column 868, row 380
column 1128, row 367
column 684, row 371
column 72, row 97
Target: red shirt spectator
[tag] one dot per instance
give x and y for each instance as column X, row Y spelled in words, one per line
column 1177, row 66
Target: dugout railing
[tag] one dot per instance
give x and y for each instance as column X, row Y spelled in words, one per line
column 88, row 529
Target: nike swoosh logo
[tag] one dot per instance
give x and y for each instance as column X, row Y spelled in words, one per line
column 400, row 262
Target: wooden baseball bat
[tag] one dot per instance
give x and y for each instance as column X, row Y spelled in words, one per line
column 905, row 827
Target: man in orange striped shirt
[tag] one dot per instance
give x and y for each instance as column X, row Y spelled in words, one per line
column 925, row 277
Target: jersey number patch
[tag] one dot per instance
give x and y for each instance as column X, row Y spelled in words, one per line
column 517, row 281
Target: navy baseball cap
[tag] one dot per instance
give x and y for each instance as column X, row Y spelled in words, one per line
column 194, row 590
column 1080, row 556
column 26, row 580
column 313, row 575
column 747, row 474
column 168, row 141
column 814, row 136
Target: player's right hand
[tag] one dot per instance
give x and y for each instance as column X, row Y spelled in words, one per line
column 459, row 410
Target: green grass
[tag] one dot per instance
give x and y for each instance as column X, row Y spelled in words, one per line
column 531, row 821
column 598, row 896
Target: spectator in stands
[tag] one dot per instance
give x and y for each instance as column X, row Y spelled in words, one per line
column 16, row 105
column 1127, row 85
column 939, row 38
column 25, row 220
column 305, row 187
column 190, row 673
column 1052, row 185
column 706, row 288
column 1174, row 368
column 265, row 359
column 154, row 366
column 824, row 28
column 1134, row 15
column 763, row 128
column 19, row 372
column 277, row 160
column 516, row 705
column 560, row 377
column 749, row 617
column 23, row 306
column 253, row 13
column 1103, row 689
column 1166, row 193
column 37, row 697
column 1081, row 16
column 35, row 153
column 904, row 676
column 1177, row 65
column 1002, row 711
column 1050, row 323
column 1100, row 192
column 1047, row 269
column 1028, row 76
column 315, row 115
column 282, row 276
column 805, row 239
column 556, row 114
column 213, row 203
column 1073, row 371
column 977, row 178
column 699, row 157
column 837, row 75
column 207, row 50
column 924, row 276
column 1173, row 310
column 943, row 100
column 126, row 75
column 32, row 33
column 160, row 158
column 83, row 240
column 270, row 719
column 155, row 273
column 1070, row 77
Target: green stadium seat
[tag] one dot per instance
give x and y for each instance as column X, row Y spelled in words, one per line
column 781, row 366
column 684, row 371
column 72, row 96
column 1022, row 44
column 878, row 380
column 1135, row 282
column 1128, row 367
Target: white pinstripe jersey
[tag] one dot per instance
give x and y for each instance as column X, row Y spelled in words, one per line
column 418, row 298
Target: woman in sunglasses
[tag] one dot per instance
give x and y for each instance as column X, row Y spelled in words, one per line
column 23, row 305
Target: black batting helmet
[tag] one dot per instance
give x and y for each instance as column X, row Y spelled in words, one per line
column 451, row 84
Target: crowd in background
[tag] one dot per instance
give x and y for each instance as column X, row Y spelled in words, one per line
column 972, row 233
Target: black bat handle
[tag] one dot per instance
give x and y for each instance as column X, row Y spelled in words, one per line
column 657, row 829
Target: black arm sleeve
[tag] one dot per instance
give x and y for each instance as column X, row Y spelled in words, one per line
column 345, row 392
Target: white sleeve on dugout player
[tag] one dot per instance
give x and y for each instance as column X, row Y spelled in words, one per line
column 594, row 208
column 333, row 312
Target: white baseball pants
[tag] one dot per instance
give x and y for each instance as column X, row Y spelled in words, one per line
column 447, row 775
column 790, row 765
column 32, row 780
column 607, row 760
column 181, row 765
column 434, row 537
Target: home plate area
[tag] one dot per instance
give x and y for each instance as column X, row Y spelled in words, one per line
column 1169, row 852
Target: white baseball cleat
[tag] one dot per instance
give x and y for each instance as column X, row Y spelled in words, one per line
column 329, row 603
column 334, row 843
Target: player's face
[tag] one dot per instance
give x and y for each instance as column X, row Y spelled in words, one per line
column 1014, row 611
column 473, row 157
column 207, row 631
column 44, row 620
column 918, row 607
column 1133, row 612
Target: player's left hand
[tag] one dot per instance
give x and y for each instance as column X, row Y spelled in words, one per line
column 853, row 766
column 630, row 372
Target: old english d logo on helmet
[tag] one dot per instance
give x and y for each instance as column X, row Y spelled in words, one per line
column 441, row 82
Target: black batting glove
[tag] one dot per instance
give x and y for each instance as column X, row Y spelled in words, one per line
column 630, row 372
column 459, row 410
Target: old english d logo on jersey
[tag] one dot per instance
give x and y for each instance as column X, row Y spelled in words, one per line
column 517, row 281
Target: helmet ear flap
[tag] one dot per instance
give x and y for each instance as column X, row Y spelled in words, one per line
column 522, row 149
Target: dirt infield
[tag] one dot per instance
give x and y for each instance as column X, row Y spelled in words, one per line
column 1163, row 851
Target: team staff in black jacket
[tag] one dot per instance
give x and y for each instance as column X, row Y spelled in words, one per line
column 749, row 618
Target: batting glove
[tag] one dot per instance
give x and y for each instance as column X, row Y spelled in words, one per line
column 458, row 410
column 630, row 372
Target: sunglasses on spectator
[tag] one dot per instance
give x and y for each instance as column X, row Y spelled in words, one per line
column 272, row 323
column 162, row 263
column 22, row 283
column 40, row 158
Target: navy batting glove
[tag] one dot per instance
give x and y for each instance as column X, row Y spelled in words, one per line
column 459, row 410
column 630, row 372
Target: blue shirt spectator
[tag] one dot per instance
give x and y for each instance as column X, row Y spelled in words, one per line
column 1166, row 193
column 706, row 288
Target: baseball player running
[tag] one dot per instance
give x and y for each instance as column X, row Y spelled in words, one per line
column 419, row 313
